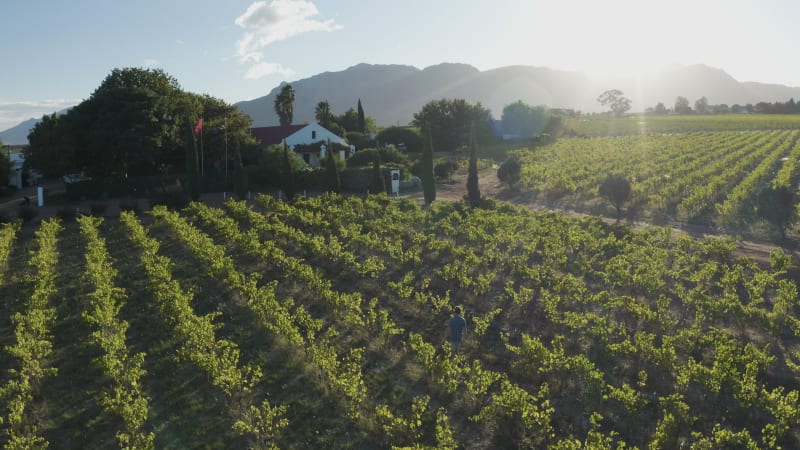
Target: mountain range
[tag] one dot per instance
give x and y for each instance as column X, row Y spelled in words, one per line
column 393, row 93
column 18, row 134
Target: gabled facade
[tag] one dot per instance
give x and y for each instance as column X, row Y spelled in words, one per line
column 295, row 135
column 18, row 175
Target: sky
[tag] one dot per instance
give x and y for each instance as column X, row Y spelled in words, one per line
column 55, row 53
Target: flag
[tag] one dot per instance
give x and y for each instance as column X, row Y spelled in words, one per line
column 199, row 127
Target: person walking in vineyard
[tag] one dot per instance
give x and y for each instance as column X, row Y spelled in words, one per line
column 456, row 330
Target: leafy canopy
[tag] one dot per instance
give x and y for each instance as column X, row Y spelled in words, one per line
column 510, row 172
column 137, row 122
column 615, row 99
column 523, row 120
column 449, row 122
column 616, row 189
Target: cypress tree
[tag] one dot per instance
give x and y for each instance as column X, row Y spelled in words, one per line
column 287, row 176
column 192, row 166
column 428, row 185
column 473, row 190
column 378, row 185
column 361, row 120
column 332, row 179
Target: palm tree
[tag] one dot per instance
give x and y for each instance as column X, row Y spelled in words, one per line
column 323, row 113
column 284, row 105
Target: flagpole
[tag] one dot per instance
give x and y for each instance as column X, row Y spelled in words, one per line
column 226, row 151
column 202, row 153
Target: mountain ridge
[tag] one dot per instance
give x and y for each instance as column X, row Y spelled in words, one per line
column 393, row 93
column 18, row 134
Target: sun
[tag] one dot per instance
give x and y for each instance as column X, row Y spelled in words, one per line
column 630, row 38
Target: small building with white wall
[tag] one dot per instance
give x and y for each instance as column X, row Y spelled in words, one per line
column 18, row 176
column 296, row 136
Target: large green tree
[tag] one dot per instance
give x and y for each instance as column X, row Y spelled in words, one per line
column 701, row 105
column 323, row 114
column 682, row 105
column 521, row 119
column 51, row 147
column 449, row 122
column 5, row 167
column 350, row 121
column 616, row 101
column 408, row 138
column 284, row 105
column 226, row 132
column 138, row 122
column 128, row 126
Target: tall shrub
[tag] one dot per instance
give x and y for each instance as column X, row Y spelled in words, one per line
column 332, row 179
column 287, row 175
column 473, row 190
column 377, row 184
column 428, row 184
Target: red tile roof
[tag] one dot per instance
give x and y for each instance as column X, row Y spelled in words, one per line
column 274, row 135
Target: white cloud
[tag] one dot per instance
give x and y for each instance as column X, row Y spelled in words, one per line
column 264, row 69
column 277, row 21
column 150, row 62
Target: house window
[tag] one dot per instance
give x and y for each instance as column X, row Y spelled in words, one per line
column 313, row 134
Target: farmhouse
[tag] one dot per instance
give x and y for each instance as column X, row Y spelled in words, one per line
column 299, row 138
column 20, row 175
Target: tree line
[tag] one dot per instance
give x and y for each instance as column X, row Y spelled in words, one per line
column 616, row 101
column 139, row 122
column 702, row 106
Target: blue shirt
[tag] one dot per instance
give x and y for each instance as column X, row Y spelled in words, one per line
column 457, row 325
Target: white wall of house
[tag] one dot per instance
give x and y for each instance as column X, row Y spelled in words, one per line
column 311, row 133
column 15, row 177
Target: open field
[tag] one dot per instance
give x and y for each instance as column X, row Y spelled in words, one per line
column 319, row 325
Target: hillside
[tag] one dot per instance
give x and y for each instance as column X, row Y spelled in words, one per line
column 18, row 135
column 328, row 321
column 393, row 93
